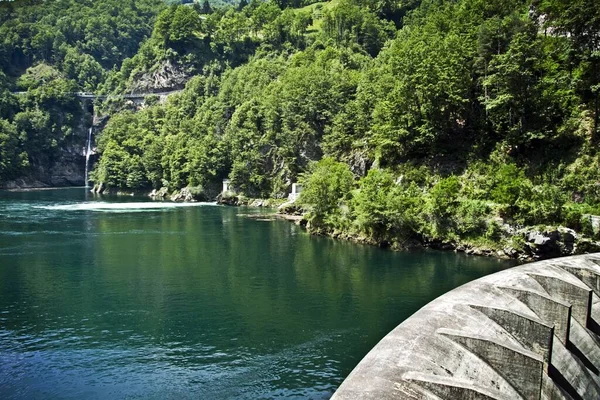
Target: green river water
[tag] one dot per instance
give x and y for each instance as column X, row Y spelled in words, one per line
column 117, row 298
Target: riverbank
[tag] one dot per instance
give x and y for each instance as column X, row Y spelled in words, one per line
column 525, row 244
column 529, row 243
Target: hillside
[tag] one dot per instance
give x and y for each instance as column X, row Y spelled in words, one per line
column 429, row 121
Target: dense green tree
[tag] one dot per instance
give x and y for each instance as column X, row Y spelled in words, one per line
column 326, row 189
column 580, row 21
column 350, row 23
column 452, row 115
column 10, row 159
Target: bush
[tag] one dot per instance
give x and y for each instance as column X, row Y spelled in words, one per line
column 471, row 217
column 372, row 202
column 509, row 184
column 544, row 205
column 493, row 231
column 576, row 216
column 443, row 199
column 583, row 178
column 406, row 208
column 326, row 187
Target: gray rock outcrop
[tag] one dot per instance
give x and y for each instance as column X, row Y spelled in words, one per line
column 168, row 76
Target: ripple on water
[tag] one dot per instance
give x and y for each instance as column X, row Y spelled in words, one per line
column 191, row 303
column 121, row 207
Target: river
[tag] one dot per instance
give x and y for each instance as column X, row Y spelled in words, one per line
column 126, row 298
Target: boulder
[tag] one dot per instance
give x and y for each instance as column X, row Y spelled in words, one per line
column 531, row 236
column 567, row 235
column 541, row 240
column 184, row 195
column 160, row 193
column 165, row 77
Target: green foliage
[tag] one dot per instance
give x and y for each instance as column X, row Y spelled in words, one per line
column 372, row 202
column 582, row 179
column 444, row 197
column 385, row 208
column 453, row 115
column 49, row 50
column 544, row 205
column 177, row 26
column 509, row 184
column 83, row 69
column 9, row 150
column 472, row 219
column 326, row 189
column 348, row 22
column 108, row 31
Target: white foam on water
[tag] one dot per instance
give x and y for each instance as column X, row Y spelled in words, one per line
column 121, row 207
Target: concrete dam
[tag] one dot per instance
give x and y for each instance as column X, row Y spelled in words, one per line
column 529, row 332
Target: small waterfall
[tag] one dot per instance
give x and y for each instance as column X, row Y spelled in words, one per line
column 88, row 151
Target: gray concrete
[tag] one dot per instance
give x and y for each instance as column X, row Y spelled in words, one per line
column 530, row 332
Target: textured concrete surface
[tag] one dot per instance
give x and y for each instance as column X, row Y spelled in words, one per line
column 530, row 332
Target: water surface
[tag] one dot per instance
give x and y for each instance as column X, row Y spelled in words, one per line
column 126, row 298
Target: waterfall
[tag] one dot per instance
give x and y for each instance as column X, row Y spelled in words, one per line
column 88, row 151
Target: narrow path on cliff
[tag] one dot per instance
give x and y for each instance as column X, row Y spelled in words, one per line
column 92, row 96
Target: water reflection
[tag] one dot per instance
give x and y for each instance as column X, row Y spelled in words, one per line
column 193, row 301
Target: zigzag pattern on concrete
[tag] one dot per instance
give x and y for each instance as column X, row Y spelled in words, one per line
column 530, row 332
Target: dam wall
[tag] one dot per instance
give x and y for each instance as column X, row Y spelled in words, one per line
column 529, row 332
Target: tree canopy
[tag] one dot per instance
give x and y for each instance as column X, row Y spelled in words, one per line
column 477, row 109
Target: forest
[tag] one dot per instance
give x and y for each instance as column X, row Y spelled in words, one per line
column 451, row 120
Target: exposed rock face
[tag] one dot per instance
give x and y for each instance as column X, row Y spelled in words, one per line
column 64, row 167
column 187, row 194
column 169, row 76
column 160, row 193
column 184, row 195
column 539, row 245
column 290, row 208
column 23, row 183
column 239, row 200
column 555, row 243
column 359, row 163
column 67, row 170
column 530, row 332
column 233, row 200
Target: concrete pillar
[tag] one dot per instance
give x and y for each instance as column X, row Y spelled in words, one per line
column 296, row 190
column 590, row 275
column 534, row 334
column 572, row 374
column 521, row 368
column 226, row 185
column 552, row 311
column 580, row 297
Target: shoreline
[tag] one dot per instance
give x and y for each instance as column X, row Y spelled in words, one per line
column 43, row 188
column 537, row 243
